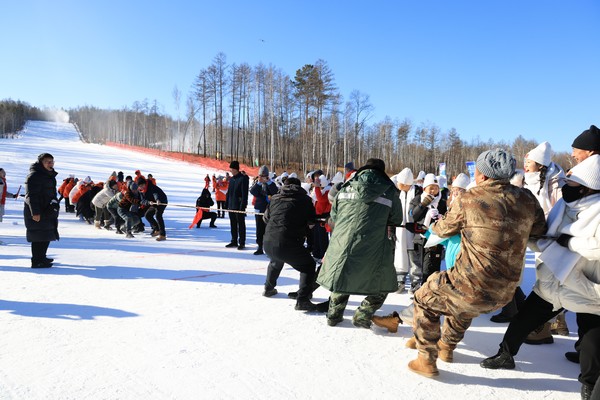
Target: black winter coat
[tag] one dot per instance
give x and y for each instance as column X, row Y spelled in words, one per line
column 41, row 199
column 261, row 191
column 419, row 211
column 154, row 193
column 288, row 215
column 205, row 200
column 237, row 194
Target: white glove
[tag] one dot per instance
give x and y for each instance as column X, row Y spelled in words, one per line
column 432, row 215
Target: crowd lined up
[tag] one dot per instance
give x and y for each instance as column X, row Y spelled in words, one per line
column 364, row 233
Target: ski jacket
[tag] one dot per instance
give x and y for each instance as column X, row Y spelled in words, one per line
column 288, row 216
column 103, row 197
column 237, row 193
column 579, row 290
column 154, row 193
column 41, row 199
column 360, row 256
column 85, row 187
column 262, row 192
column 221, row 187
column 495, row 220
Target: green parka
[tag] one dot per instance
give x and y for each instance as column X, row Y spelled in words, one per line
column 360, row 256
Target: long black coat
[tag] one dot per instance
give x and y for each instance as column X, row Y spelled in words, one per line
column 41, row 199
column 237, row 194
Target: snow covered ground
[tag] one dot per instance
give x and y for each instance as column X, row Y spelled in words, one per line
column 123, row 318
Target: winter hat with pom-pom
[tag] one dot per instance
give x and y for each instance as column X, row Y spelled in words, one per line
column 542, row 154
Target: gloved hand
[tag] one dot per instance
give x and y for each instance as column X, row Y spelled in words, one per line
column 427, row 200
column 432, row 215
column 145, row 203
column 563, row 240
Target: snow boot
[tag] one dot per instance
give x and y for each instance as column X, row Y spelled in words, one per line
column 259, row 252
column 232, row 244
column 97, row 225
column 160, row 238
column 155, row 233
column 445, row 351
column 323, row 307
column 269, row 292
column 572, row 356
column 305, row 305
column 502, row 360
column 559, row 327
column 390, row 322
column 129, row 235
column 361, row 322
column 424, row 367
column 541, row 335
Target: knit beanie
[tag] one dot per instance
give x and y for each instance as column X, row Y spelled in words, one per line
column 542, row 154
column 375, row 163
column 588, row 140
column 430, row 179
column 496, row 164
column 421, row 176
column 405, row 177
column 587, row 172
column 349, row 166
column 263, row 171
column 234, row 165
column 461, row 181
column 337, row 178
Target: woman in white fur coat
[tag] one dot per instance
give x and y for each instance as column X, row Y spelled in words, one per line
column 568, row 274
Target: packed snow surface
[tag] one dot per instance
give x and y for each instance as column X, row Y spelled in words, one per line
column 120, row 318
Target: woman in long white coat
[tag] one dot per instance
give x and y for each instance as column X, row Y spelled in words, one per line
column 568, row 274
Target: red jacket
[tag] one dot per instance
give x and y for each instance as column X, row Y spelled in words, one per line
column 322, row 206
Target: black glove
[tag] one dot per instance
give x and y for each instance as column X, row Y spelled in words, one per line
column 427, row 200
column 563, row 240
column 145, row 203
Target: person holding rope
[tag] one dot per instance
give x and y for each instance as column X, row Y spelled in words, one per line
column 237, row 200
column 4, row 192
column 156, row 201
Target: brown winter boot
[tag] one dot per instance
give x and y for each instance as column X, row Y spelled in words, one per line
column 446, row 351
column 97, row 225
column 541, row 335
column 423, row 367
column 160, row 238
column 559, row 327
column 390, row 322
column 411, row 343
column 155, row 233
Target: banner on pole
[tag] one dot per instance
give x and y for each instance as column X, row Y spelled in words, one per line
column 471, row 169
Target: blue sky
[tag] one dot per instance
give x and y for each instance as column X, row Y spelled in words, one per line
column 489, row 69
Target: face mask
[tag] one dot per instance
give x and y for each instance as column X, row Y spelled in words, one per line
column 572, row 193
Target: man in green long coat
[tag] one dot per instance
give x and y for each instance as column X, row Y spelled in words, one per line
column 360, row 257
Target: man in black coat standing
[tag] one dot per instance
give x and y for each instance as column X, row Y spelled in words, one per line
column 288, row 215
column 237, row 199
column 41, row 209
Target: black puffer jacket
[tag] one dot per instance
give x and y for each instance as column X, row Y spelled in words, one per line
column 288, row 215
column 41, row 199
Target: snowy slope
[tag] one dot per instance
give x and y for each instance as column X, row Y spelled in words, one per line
column 185, row 319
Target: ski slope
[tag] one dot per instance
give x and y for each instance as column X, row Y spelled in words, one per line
column 120, row 318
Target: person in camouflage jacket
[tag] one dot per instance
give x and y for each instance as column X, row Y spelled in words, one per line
column 495, row 220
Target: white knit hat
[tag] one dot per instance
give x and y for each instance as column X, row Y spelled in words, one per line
column 421, row 175
column 587, row 172
column 461, row 181
column 541, row 154
column 405, row 177
column 430, row 180
column 337, row 178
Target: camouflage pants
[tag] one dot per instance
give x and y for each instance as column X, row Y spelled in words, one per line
column 368, row 307
column 439, row 297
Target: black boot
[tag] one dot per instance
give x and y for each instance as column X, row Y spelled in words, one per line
column 502, row 360
column 259, row 252
column 572, row 356
column 305, row 305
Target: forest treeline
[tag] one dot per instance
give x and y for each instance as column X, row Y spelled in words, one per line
column 260, row 115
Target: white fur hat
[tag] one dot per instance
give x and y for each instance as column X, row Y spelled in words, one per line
column 405, row 177
column 284, row 174
column 337, row 178
column 587, row 172
column 430, row 179
column 541, row 154
column 421, row 176
column 461, row 181
column 292, row 175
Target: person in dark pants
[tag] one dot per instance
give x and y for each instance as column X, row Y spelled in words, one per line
column 156, row 201
column 41, row 209
column 205, row 202
column 287, row 217
column 237, row 200
column 262, row 191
